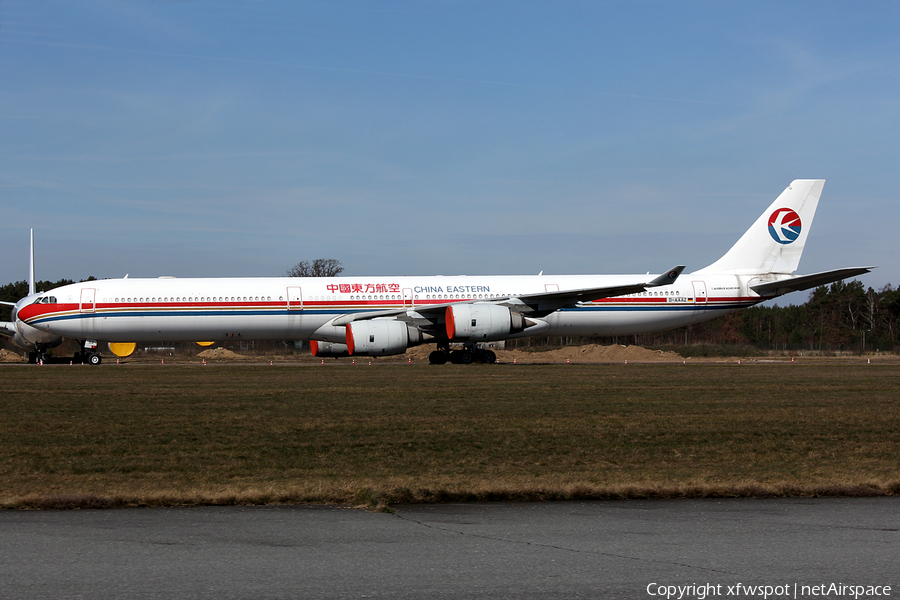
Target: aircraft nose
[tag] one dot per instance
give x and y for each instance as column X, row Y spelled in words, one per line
column 28, row 311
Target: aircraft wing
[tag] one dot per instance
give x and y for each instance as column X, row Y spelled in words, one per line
column 805, row 282
column 548, row 302
column 538, row 305
column 7, row 328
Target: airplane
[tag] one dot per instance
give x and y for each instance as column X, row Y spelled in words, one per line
column 382, row 316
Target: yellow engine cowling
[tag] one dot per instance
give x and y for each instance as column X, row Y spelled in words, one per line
column 122, row 349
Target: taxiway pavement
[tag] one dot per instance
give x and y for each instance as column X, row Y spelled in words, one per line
column 607, row 549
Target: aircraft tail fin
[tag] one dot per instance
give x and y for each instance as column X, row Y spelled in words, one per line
column 774, row 243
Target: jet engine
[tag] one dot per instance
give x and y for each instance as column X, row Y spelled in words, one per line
column 482, row 322
column 328, row 349
column 380, row 337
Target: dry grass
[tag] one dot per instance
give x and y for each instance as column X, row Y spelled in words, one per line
column 182, row 435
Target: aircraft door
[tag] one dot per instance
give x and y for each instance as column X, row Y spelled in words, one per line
column 408, row 298
column 88, row 298
column 294, row 298
column 699, row 292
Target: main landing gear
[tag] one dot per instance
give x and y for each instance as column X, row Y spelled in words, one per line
column 470, row 353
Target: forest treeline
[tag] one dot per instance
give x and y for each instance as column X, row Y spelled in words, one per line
column 845, row 316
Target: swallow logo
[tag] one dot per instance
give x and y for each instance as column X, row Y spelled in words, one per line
column 784, row 226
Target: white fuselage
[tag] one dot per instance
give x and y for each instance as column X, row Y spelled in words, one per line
column 284, row 308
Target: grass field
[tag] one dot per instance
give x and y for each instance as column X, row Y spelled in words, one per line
column 174, row 435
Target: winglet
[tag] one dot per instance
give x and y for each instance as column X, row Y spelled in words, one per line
column 666, row 278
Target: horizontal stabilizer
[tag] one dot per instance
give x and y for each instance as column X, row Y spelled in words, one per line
column 805, row 282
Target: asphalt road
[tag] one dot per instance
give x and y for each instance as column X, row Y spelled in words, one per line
column 621, row 549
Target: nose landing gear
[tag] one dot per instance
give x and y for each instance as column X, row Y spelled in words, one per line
column 89, row 354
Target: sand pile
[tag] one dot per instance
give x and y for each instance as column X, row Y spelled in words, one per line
column 221, row 354
column 7, row 356
column 589, row 353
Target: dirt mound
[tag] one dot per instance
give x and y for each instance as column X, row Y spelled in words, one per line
column 221, row 354
column 419, row 353
column 7, row 356
column 589, row 353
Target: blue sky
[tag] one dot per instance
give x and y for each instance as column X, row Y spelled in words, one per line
column 448, row 137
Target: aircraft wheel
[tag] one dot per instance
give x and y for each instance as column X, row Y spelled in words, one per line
column 466, row 357
column 488, row 357
column 438, row 357
column 94, row 359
